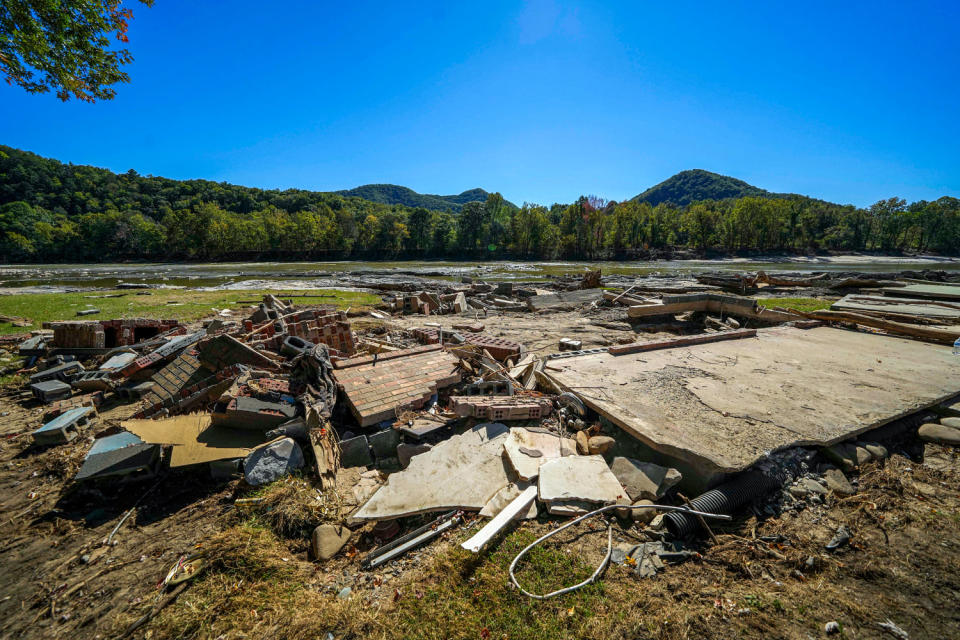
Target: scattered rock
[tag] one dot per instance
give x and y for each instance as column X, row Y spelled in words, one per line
column 328, row 539
column 344, row 593
column 644, row 479
column 599, row 445
column 939, row 433
column 806, row 486
column 838, row 483
column 842, row 455
column 272, row 462
column 861, row 455
column 878, row 451
column 583, row 443
column 950, row 422
column 839, row 539
column 643, row 516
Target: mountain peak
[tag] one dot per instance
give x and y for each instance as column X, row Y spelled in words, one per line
column 699, row 184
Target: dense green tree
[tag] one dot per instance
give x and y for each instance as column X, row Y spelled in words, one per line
column 65, row 46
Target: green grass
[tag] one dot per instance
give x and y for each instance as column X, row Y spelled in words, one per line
column 177, row 304
column 800, row 304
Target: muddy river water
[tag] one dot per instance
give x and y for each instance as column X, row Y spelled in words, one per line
column 19, row 279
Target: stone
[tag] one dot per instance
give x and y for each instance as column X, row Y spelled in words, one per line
column 939, row 433
column 272, row 462
column 344, row 593
column 583, row 443
column 328, row 539
column 861, row 455
column 950, row 422
column 878, row 451
column 643, row 516
column 355, row 452
column 841, row 454
column 837, row 482
column 599, row 445
column 406, row 451
column 644, row 479
column 806, row 486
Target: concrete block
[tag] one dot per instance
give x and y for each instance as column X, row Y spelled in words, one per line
column 355, row 452
column 384, row 443
column 50, row 390
column 63, row 428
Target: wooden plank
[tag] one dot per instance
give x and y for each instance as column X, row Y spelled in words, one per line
column 683, row 341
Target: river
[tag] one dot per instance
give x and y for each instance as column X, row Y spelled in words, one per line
column 35, row 278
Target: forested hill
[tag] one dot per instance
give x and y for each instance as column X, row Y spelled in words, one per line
column 696, row 184
column 56, row 212
column 395, row 194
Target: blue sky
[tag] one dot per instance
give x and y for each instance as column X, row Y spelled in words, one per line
column 542, row 101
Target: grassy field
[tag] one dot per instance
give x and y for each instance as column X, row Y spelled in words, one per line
column 800, row 304
column 178, row 304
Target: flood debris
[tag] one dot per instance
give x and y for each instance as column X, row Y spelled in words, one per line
column 406, row 431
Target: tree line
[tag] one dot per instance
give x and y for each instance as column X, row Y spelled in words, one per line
column 50, row 212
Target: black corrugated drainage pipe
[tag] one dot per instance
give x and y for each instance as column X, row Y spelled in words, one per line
column 726, row 498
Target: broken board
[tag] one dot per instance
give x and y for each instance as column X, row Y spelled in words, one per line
column 717, row 408
column 194, row 440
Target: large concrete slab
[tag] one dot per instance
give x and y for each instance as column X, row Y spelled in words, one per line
column 718, row 408
column 463, row 472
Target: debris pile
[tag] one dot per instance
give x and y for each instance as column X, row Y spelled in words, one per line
column 475, row 429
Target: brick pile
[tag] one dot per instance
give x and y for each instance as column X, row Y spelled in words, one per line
column 318, row 326
column 62, row 406
column 499, row 348
column 501, row 408
column 399, row 379
column 181, row 381
column 92, row 334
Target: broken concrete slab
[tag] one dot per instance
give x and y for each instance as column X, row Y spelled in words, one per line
column 272, row 462
column 527, row 449
column 118, row 361
column 64, row 427
column 718, row 408
column 644, row 479
column 463, row 472
column 578, row 478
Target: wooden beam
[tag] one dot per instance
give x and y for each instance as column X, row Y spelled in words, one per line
column 683, row 341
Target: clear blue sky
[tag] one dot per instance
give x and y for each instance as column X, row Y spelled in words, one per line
column 542, row 101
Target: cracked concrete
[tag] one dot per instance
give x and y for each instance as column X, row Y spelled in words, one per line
column 710, row 407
